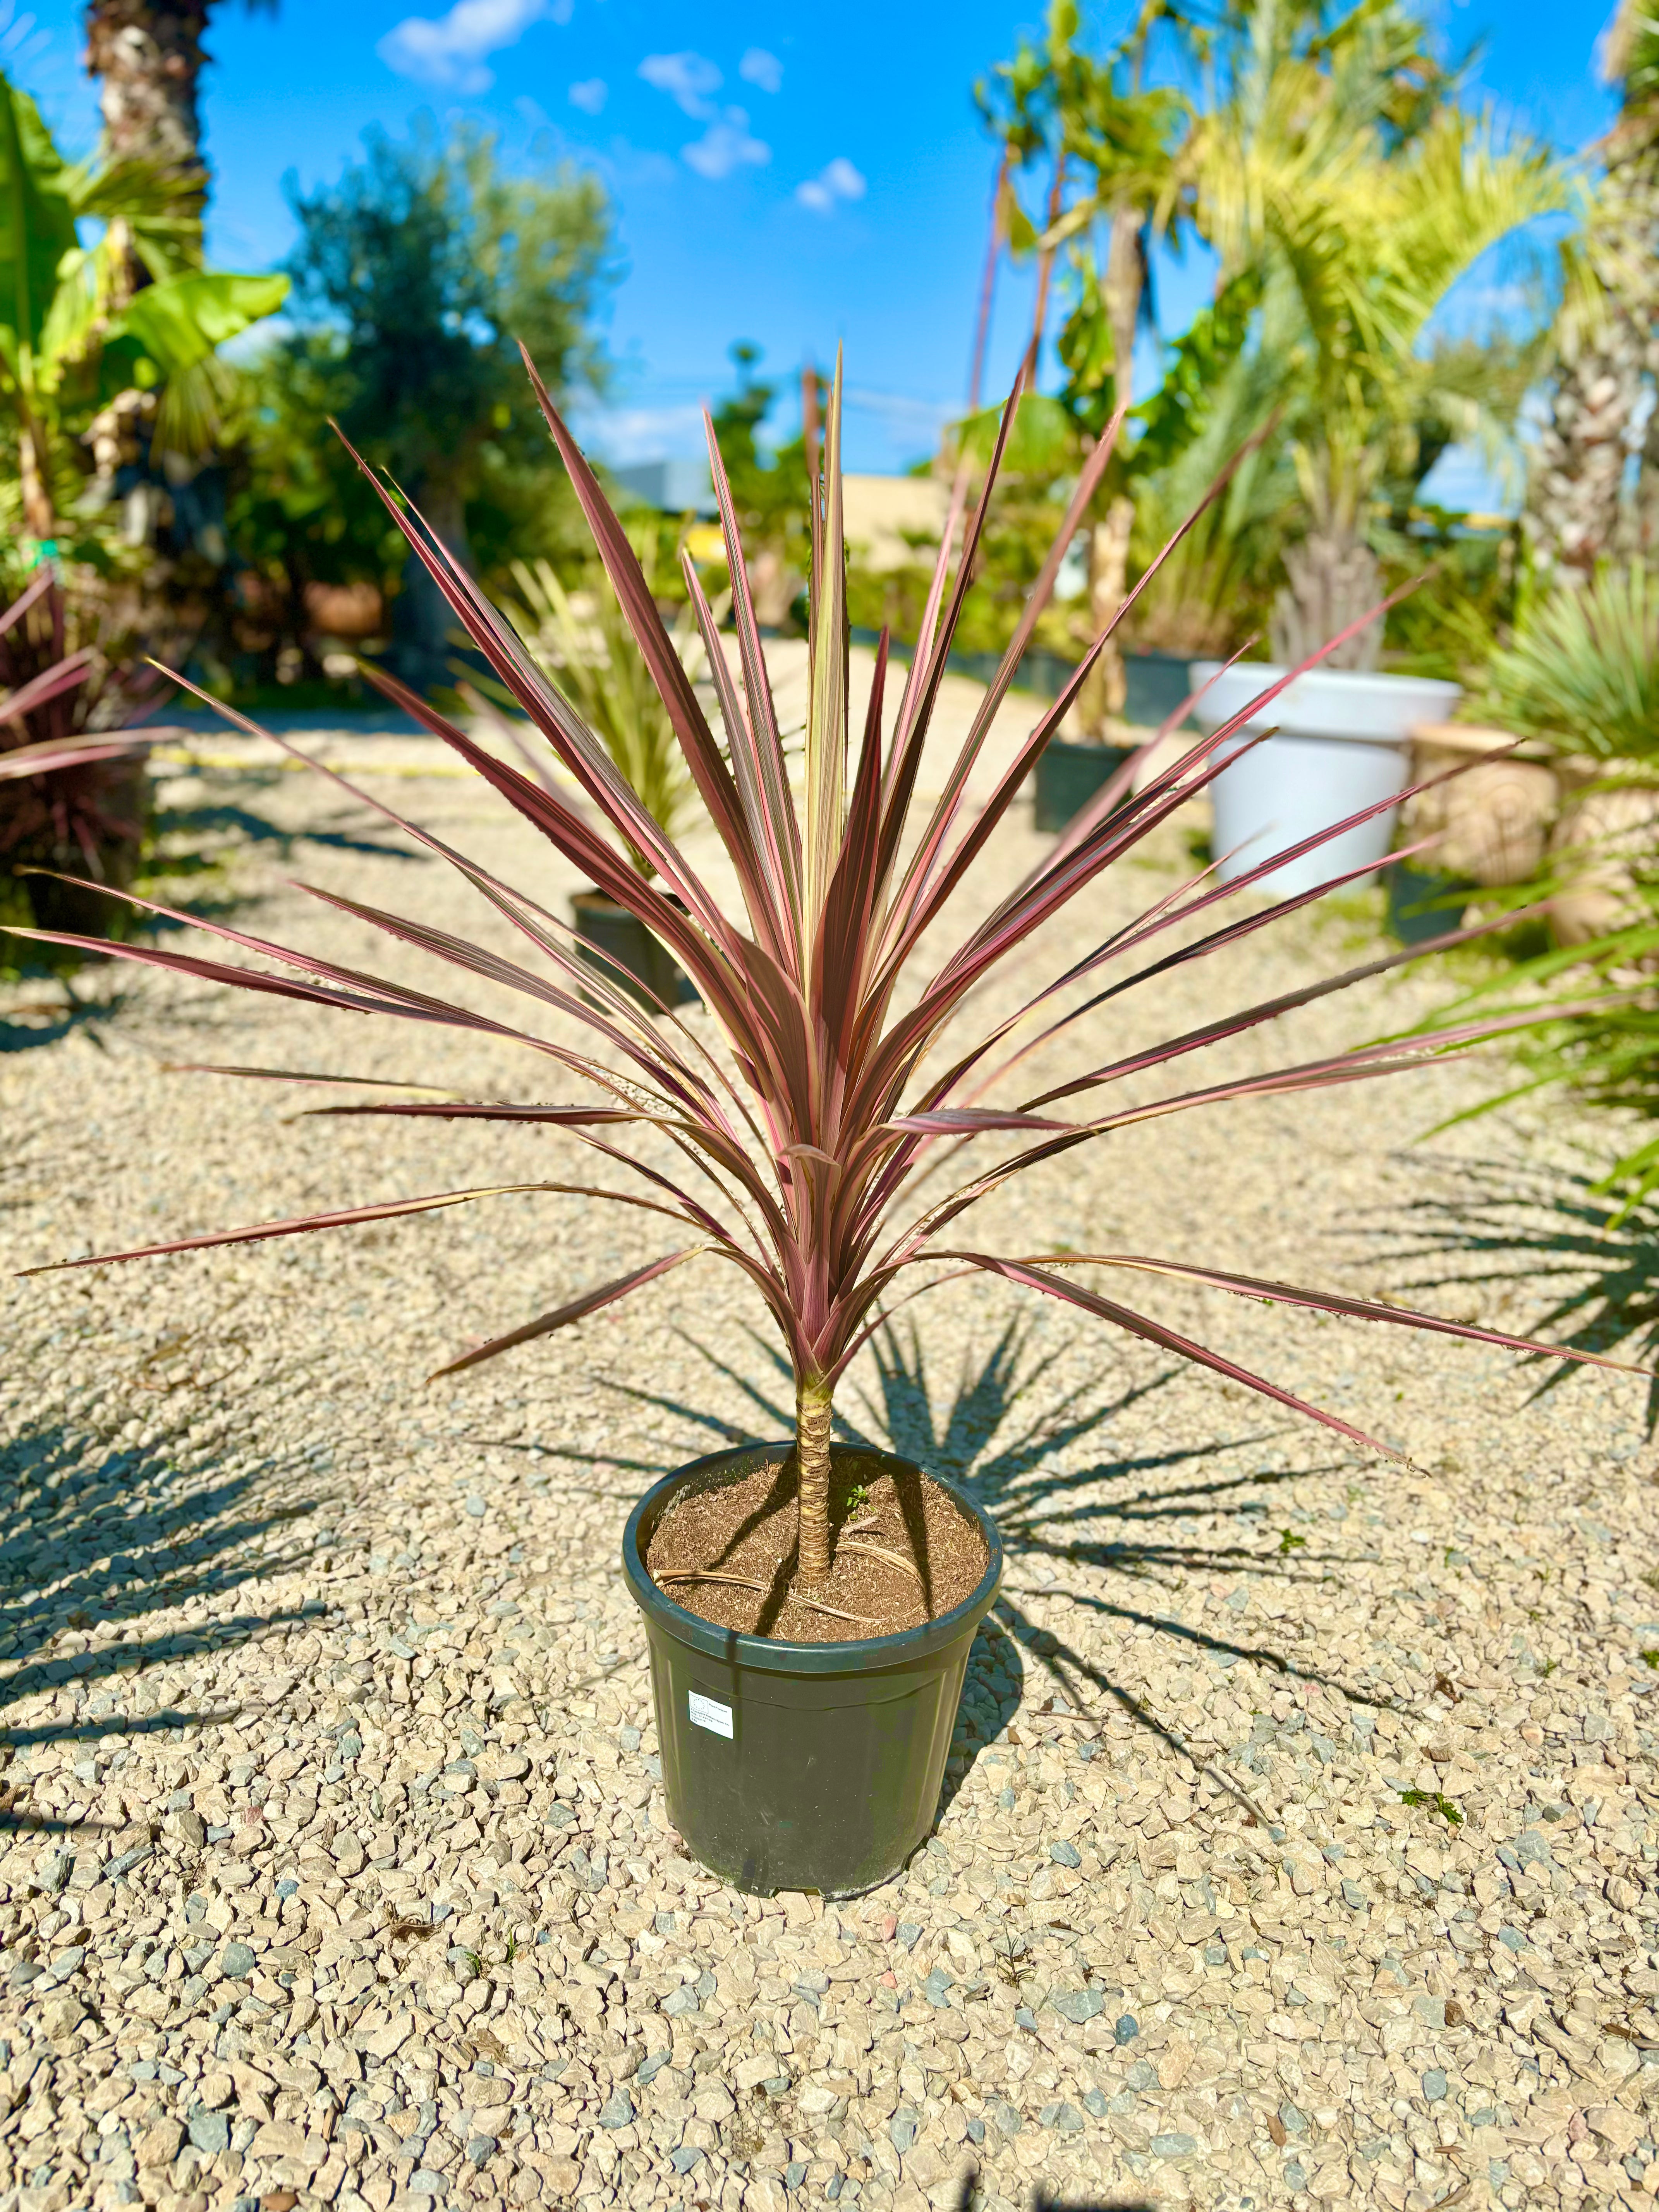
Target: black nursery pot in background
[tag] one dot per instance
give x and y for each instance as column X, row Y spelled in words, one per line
column 610, row 930
column 802, row 1766
column 1068, row 776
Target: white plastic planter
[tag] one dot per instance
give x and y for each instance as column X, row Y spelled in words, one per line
column 1342, row 743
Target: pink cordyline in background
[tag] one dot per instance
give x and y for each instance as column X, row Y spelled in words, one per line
column 806, row 1137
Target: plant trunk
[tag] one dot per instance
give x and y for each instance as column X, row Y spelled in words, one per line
column 422, row 651
column 1606, row 358
column 1579, row 465
column 1332, row 578
column 1100, row 702
column 813, row 1399
column 148, row 59
column 34, row 473
column 1124, row 277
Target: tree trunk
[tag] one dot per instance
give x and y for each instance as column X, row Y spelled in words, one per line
column 147, row 54
column 1121, row 290
column 34, row 474
column 1606, row 353
column 423, row 650
column 1100, row 702
column 813, row 1402
column 1332, row 578
column 1579, row 464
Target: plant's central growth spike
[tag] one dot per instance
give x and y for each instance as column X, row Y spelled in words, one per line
column 827, row 652
column 787, row 1128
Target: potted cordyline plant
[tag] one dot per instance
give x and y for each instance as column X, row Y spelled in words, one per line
column 809, row 1607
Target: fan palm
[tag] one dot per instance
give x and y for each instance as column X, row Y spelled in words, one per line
column 1340, row 172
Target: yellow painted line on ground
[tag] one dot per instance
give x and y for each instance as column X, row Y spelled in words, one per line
column 179, row 759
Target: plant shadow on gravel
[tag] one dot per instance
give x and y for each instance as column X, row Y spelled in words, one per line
column 228, row 821
column 1007, row 1462
column 38, row 1021
column 970, row 2197
column 1543, row 1234
column 202, row 836
column 120, row 1536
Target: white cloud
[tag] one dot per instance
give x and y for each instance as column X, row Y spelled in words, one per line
column 623, row 435
column 758, row 67
column 727, row 144
column 448, row 50
column 837, row 180
column 686, row 78
column 589, row 95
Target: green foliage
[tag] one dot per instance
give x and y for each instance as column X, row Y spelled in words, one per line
column 1467, row 598
column 435, row 264
column 1582, row 670
column 583, row 642
column 70, row 337
column 1043, row 441
column 1289, row 1541
column 37, row 224
column 415, row 275
column 1432, row 1800
column 1194, row 370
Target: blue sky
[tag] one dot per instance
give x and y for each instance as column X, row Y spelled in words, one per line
column 797, row 178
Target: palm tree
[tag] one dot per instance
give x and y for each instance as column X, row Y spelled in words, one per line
column 1605, row 334
column 148, row 55
column 149, row 60
column 1336, row 168
column 1115, row 146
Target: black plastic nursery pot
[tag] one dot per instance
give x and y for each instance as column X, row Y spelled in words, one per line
column 1068, row 775
column 625, row 940
column 802, row 1766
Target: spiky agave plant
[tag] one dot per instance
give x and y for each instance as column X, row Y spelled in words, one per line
column 808, row 1137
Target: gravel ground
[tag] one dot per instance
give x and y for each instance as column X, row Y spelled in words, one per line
column 1298, row 1846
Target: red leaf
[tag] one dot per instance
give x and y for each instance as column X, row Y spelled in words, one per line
column 1154, row 1332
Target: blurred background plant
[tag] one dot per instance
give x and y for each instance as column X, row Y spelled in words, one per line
column 1325, row 161
column 583, row 642
column 73, row 797
column 111, row 394
column 108, row 368
column 1582, row 668
column 415, row 277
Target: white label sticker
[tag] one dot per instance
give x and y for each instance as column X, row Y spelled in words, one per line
column 709, row 1713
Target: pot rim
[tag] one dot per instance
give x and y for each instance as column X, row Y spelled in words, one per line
column 1368, row 706
column 765, row 1654
column 591, row 900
